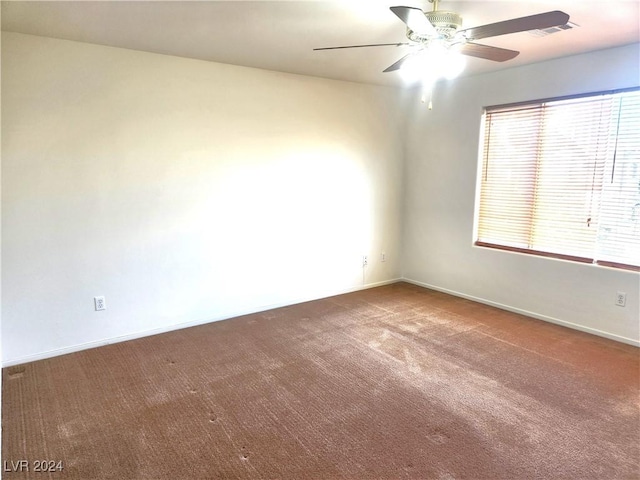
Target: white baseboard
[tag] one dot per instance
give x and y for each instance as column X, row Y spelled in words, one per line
column 146, row 333
column 538, row 316
column 262, row 308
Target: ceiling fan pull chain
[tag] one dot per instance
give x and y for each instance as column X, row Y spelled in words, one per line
column 424, row 97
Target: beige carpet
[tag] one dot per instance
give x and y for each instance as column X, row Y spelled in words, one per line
column 392, row 382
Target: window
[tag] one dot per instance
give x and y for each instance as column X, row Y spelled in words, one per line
column 561, row 178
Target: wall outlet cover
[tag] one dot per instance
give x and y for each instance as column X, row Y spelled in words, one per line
column 99, row 303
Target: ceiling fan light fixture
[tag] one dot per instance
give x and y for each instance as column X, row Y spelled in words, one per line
column 415, row 68
column 432, row 63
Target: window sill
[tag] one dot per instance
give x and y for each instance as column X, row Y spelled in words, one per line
column 570, row 258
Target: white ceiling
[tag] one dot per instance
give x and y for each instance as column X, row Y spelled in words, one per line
column 281, row 35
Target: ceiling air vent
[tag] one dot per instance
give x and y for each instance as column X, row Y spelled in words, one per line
column 549, row 31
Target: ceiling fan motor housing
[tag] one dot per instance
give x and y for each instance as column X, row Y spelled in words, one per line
column 445, row 23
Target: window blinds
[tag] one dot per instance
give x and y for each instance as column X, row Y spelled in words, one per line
column 562, row 178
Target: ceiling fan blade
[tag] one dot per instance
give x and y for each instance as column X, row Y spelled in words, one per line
column 487, row 52
column 362, row 46
column 397, row 65
column 415, row 19
column 522, row 24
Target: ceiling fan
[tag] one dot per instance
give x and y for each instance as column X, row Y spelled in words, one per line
column 442, row 30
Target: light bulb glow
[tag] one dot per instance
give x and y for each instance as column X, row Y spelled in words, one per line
column 413, row 68
column 432, row 63
column 453, row 65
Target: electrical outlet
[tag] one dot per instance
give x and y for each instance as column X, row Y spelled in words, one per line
column 621, row 299
column 365, row 260
column 99, row 303
column 383, row 257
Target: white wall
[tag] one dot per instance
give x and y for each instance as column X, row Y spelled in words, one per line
column 441, row 167
column 187, row 191
column 183, row 191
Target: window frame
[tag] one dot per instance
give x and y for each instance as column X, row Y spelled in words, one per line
column 479, row 180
